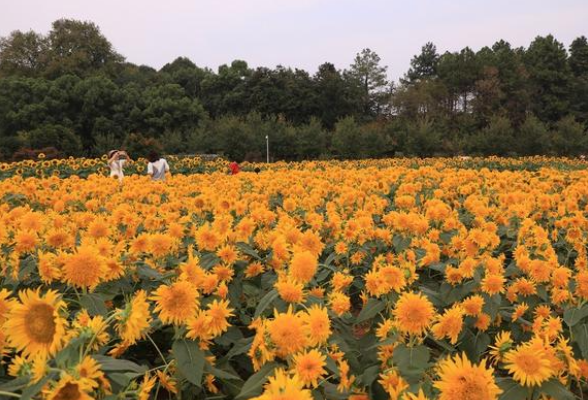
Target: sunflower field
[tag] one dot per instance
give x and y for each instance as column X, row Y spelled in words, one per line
column 402, row 279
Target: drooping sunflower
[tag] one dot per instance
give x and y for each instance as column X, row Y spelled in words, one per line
column 89, row 369
column 133, row 322
column 413, row 313
column 35, row 325
column 460, row 379
column 309, row 366
column 176, row 303
column 529, row 363
column 146, row 387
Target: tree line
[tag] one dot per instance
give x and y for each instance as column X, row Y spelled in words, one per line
column 71, row 91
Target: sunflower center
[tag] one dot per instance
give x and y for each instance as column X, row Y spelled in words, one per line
column 40, row 323
column 528, row 363
column 70, row 391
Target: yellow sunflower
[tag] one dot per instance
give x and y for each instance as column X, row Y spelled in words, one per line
column 529, row 363
column 176, row 303
column 69, row 388
column 133, row 322
column 413, row 313
column 309, row 366
column 34, row 325
column 460, row 379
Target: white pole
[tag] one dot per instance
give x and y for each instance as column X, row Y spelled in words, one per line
column 267, row 147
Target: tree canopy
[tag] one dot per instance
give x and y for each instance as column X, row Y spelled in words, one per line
column 71, row 90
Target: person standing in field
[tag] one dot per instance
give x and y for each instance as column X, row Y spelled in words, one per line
column 234, row 168
column 116, row 161
column 157, row 166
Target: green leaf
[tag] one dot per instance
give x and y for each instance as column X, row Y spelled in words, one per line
column 33, row 390
column 114, row 364
column 411, row 361
column 475, row 344
column 253, row 385
column 145, row 271
column 370, row 310
column 511, row 390
column 265, row 302
column 15, row 384
column 574, row 315
column 94, row 303
column 556, row 390
column 240, row 347
column 581, row 338
column 370, row 374
column 219, row 373
column 207, row 261
column 189, row 360
column 246, row 249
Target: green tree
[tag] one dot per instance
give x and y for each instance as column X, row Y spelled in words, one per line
column 78, row 48
column 495, row 139
column 424, row 65
column 579, row 66
column 532, row 137
column 346, row 137
column 22, row 54
column 371, row 79
column 546, row 61
column 570, row 137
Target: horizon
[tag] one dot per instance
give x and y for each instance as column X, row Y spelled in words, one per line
column 211, row 42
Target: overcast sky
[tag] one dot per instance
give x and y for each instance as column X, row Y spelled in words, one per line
column 302, row 33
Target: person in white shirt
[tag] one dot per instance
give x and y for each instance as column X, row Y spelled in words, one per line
column 157, row 166
column 116, row 161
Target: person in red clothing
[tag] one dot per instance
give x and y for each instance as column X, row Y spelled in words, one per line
column 234, row 168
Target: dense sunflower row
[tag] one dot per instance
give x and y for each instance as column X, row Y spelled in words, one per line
column 390, row 279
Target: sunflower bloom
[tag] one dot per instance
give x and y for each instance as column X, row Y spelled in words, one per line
column 133, row 322
column 34, row 325
column 309, row 366
column 285, row 387
column 413, row 314
column 529, row 363
column 288, row 332
column 176, row 303
column 460, row 379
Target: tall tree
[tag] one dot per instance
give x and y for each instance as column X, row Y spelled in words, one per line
column 579, row 65
column 424, row 65
column 22, row 54
column 78, row 48
column 546, row 60
column 370, row 77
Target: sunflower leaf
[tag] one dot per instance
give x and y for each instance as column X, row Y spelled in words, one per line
column 511, row 390
column 265, row 302
column 190, row 360
column 254, row 384
column 371, row 309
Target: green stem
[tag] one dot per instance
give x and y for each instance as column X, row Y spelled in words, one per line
column 157, row 348
column 9, row 394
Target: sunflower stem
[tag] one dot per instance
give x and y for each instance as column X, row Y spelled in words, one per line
column 9, row 394
column 157, row 348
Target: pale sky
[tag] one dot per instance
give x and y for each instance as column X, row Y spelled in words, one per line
column 302, row 33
